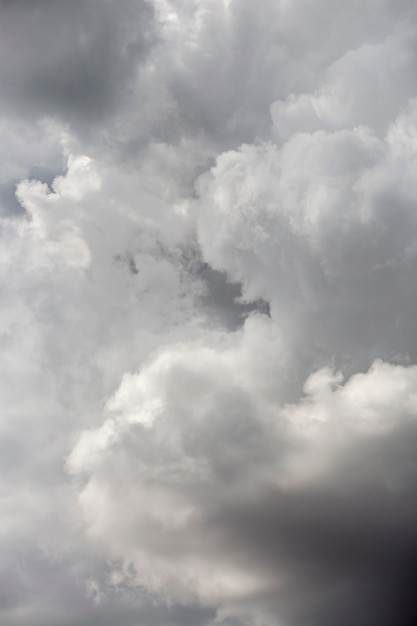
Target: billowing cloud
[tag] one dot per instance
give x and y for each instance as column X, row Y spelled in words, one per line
column 324, row 228
column 211, row 489
column 207, row 331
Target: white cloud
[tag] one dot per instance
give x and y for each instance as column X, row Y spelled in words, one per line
column 323, row 228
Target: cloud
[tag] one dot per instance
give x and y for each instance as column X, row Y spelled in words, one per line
column 207, row 275
column 213, row 490
column 69, row 269
column 323, row 228
column 73, row 61
column 381, row 73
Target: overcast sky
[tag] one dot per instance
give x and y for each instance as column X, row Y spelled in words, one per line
column 208, row 340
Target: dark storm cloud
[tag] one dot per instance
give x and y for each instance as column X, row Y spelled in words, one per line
column 343, row 552
column 73, row 59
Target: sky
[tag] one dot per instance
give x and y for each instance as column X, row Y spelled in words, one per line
column 208, row 287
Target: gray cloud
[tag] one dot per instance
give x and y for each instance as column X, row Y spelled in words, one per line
column 38, row 590
column 324, row 229
column 71, row 60
column 342, row 552
column 207, row 336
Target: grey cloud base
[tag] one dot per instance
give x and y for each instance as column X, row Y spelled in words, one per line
column 208, row 348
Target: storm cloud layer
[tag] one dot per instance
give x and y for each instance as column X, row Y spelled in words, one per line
column 208, row 346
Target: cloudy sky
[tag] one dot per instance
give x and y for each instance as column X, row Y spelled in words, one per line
column 208, row 340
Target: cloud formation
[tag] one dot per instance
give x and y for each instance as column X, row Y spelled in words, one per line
column 324, row 229
column 212, row 490
column 73, row 60
column 208, row 347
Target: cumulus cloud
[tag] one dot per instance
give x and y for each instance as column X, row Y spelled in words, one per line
column 208, row 352
column 323, row 228
column 213, row 490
